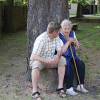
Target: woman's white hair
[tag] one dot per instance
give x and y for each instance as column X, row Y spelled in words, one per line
column 65, row 21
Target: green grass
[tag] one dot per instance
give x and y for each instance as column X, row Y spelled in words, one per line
column 86, row 57
column 15, row 44
column 0, row 73
column 8, row 75
column 88, row 71
column 91, row 17
column 17, row 90
column 86, row 29
column 22, row 73
column 95, row 40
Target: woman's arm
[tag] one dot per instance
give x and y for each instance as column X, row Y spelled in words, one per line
column 76, row 43
column 64, row 48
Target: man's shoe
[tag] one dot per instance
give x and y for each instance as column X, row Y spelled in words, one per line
column 83, row 89
column 70, row 91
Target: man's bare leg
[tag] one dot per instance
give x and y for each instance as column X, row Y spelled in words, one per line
column 35, row 77
column 61, row 73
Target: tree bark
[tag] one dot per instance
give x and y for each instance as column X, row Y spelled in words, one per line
column 40, row 13
column 94, row 7
column 99, row 6
column 79, row 11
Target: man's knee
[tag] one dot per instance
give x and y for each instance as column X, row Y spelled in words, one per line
column 35, row 65
column 62, row 62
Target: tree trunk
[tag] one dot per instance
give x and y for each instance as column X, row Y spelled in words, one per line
column 99, row 6
column 1, row 17
column 79, row 10
column 9, row 17
column 40, row 13
column 94, row 7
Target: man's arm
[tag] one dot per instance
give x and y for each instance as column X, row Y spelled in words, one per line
column 52, row 61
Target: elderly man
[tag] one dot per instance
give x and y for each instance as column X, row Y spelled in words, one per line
column 43, row 57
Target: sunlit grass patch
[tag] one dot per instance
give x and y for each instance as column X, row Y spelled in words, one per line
column 97, row 26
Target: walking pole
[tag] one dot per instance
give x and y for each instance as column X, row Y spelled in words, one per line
column 76, row 68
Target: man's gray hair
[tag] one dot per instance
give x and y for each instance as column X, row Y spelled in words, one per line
column 65, row 21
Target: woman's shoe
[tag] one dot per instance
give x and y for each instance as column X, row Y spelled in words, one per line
column 83, row 89
column 71, row 91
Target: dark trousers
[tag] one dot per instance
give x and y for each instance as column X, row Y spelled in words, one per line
column 81, row 71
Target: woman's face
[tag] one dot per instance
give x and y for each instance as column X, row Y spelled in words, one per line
column 66, row 29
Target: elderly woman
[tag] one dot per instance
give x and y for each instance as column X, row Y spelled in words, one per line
column 66, row 35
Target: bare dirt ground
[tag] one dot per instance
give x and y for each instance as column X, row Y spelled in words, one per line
column 12, row 86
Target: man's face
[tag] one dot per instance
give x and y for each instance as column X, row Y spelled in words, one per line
column 54, row 34
column 66, row 29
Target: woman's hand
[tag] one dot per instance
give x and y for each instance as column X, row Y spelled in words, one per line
column 71, row 40
column 75, row 42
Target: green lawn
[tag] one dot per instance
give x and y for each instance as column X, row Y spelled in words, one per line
column 86, row 29
column 16, row 41
column 95, row 40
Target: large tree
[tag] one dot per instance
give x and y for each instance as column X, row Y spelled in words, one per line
column 99, row 6
column 79, row 7
column 40, row 13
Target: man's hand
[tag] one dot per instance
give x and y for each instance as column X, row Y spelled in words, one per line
column 54, row 60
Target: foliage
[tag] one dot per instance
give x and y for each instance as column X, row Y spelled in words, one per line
column 20, row 2
column 98, row 7
column 90, row 1
column 84, row 2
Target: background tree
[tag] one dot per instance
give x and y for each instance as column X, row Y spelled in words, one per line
column 40, row 13
column 99, row 6
column 94, row 7
column 79, row 6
